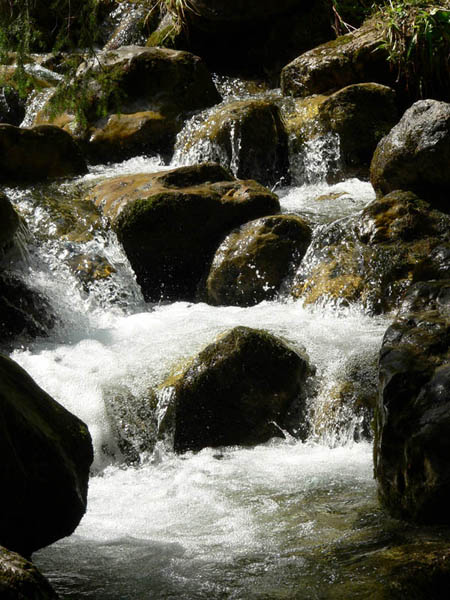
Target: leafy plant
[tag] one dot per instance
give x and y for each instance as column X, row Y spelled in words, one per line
column 416, row 35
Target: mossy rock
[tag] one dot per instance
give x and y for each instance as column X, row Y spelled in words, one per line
column 90, row 268
column 374, row 258
column 415, row 155
column 413, row 409
column 39, row 153
column 134, row 100
column 247, row 136
column 252, row 262
column 237, row 391
column 21, row 580
column 356, row 57
column 171, row 223
column 361, row 114
column 46, row 455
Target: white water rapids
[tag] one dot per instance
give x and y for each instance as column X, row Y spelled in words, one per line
column 230, row 523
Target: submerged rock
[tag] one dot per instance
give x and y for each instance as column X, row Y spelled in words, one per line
column 246, row 136
column 356, row 57
column 38, row 153
column 21, row 580
column 143, row 93
column 170, row 223
column 46, row 455
column 412, row 437
column 252, row 262
column 239, row 390
column 415, row 155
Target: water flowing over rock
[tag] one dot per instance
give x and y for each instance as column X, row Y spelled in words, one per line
column 46, row 455
column 20, row 579
column 396, row 240
column 145, row 94
column 246, row 136
column 170, row 223
column 38, row 153
column 239, row 390
column 413, row 412
column 252, row 262
column 360, row 114
column 415, row 155
column 356, row 57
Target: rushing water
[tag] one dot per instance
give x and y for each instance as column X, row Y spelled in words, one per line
column 267, row 522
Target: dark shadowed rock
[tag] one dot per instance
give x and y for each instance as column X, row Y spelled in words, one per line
column 239, row 390
column 9, row 222
column 20, row 579
column 46, row 455
column 247, row 136
column 415, row 155
column 352, row 58
column 252, row 262
column 38, row 153
column 412, row 439
column 171, row 223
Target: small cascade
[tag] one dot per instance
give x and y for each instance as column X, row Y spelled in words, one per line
column 317, row 161
column 35, row 103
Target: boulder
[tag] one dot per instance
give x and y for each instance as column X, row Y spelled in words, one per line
column 412, row 434
column 374, row 257
column 246, row 136
column 170, row 223
column 20, row 579
column 360, row 114
column 252, row 262
column 38, row 153
column 46, row 455
column 356, row 57
column 415, row 155
column 134, row 100
column 237, row 391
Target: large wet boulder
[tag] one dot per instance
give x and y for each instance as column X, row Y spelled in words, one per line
column 415, row 155
column 38, row 153
column 170, row 223
column 237, row 391
column 412, row 440
column 253, row 36
column 46, row 455
column 356, row 57
column 252, row 262
column 373, row 257
column 246, row 136
column 135, row 100
column 21, row 580
column 360, row 114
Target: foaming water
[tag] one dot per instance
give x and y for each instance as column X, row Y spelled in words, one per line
column 236, row 523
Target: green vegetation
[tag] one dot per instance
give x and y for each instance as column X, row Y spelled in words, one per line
column 417, row 37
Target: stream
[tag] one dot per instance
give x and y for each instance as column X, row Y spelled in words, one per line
column 283, row 520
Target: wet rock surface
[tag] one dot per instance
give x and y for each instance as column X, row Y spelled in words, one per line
column 46, row 455
column 252, row 262
column 239, row 390
column 415, row 155
column 21, row 580
column 413, row 410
